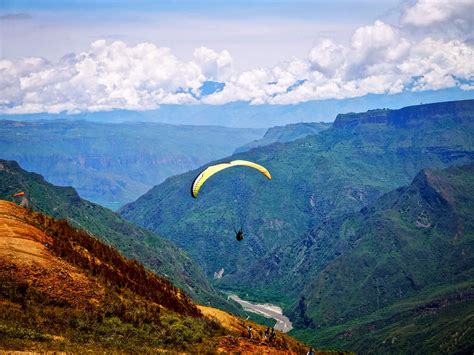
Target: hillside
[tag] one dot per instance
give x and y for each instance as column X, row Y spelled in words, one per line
column 112, row 164
column 390, row 277
column 156, row 253
column 62, row 289
column 338, row 171
column 283, row 134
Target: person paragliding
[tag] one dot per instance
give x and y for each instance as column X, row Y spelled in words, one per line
column 213, row 169
column 239, row 235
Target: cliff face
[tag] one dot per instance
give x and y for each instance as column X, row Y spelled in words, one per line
column 412, row 116
column 283, row 134
column 348, row 120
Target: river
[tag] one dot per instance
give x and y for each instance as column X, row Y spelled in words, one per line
column 283, row 323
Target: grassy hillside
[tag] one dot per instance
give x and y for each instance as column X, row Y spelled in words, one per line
column 62, row 289
column 338, row 171
column 153, row 251
column 398, row 275
column 112, row 164
column 283, row 134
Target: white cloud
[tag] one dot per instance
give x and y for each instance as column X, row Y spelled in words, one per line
column 108, row 76
column 327, row 57
column 215, row 66
column 379, row 58
column 375, row 48
column 429, row 12
column 444, row 19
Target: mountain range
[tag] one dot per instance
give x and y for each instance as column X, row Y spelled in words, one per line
column 364, row 235
column 245, row 115
column 334, row 237
column 393, row 274
column 112, row 164
column 337, row 171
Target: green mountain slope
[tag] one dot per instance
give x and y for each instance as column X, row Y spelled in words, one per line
column 153, row 251
column 396, row 277
column 338, row 171
column 283, row 134
column 113, row 164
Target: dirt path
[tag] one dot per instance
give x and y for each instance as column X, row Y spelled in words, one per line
column 267, row 310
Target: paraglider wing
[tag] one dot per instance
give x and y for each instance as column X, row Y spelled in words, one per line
column 252, row 165
column 206, row 174
column 211, row 170
column 19, row 194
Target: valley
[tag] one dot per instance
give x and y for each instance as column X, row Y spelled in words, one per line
column 237, row 177
column 363, row 234
column 316, row 241
column 283, row 324
column 112, row 164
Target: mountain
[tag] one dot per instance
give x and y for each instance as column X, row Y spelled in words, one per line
column 156, row 253
column 398, row 276
column 61, row 289
column 244, row 114
column 283, row 134
column 112, row 164
column 338, row 171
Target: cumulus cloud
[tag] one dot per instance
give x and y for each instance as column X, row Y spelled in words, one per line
column 108, row 76
column 429, row 12
column 380, row 58
column 327, row 57
column 215, row 66
column 443, row 18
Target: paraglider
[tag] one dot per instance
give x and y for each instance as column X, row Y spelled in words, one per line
column 239, row 235
column 19, row 194
column 213, row 169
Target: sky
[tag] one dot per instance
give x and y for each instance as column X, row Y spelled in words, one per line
column 78, row 56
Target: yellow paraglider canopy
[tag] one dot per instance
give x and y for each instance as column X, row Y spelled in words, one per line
column 211, row 170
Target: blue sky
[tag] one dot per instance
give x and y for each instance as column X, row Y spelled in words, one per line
column 53, row 28
column 101, row 55
column 308, row 8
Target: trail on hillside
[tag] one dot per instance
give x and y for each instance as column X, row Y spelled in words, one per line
column 267, row 310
